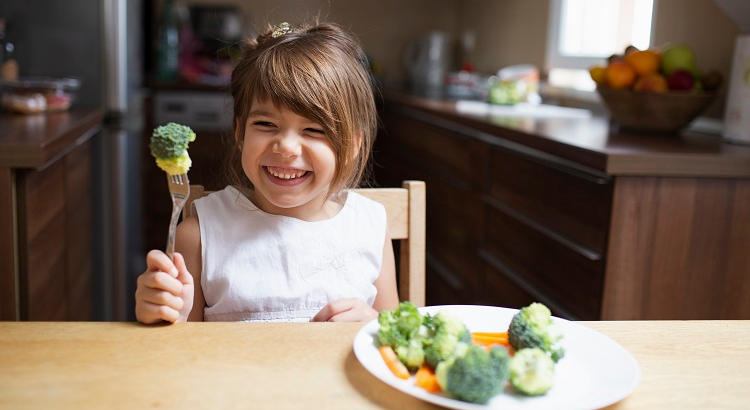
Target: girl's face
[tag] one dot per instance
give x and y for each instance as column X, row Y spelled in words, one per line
column 288, row 159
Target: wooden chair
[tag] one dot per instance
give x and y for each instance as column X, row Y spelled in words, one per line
column 405, row 209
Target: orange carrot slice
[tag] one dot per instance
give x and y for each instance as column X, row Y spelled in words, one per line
column 486, row 339
column 426, row 379
column 491, row 334
column 391, row 360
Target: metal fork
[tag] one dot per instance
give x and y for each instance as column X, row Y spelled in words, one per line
column 179, row 189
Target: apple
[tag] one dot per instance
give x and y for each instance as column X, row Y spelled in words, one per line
column 677, row 57
column 681, row 79
column 654, row 82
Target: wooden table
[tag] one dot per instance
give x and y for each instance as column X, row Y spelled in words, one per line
column 684, row 364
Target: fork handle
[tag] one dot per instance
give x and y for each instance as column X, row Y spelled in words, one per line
column 172, row 229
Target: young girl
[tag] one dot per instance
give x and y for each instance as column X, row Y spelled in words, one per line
column 290, row 243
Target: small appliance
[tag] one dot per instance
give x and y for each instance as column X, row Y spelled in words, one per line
column 427, row 61
column 737, row 110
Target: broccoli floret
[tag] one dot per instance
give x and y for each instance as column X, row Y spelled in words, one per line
column 532, row 371
column 474, row 375
column 532, row 327
column 397, row 326
column 171, row 140
column 449, row 324
column 175, row 166
column 411, row 354
column 447, row 331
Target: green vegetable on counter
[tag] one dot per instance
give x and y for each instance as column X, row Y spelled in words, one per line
column 169, row 146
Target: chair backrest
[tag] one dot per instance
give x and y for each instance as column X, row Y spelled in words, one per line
column 405, row 209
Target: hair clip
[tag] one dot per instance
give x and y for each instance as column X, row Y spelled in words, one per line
column 281, row 29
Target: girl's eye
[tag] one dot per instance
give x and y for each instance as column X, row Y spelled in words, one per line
column 315, row 131
column 263, row 123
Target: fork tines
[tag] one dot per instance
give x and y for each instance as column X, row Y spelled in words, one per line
column 178, row 185
column 177, row 179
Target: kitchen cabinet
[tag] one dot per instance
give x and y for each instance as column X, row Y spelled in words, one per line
column 593, row 222
column 46, row 206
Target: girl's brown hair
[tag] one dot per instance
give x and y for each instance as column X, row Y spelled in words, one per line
column 320, row 73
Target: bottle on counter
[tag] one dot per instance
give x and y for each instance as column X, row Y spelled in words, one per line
column 8, row 63
column 168, row 44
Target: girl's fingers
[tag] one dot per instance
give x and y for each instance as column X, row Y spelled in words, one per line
column 159, row 297
column 357, row 314
column 348, row 316
column 337, row 307
column 332, row 309
column 151, row 313
column 183, row 275
column 160, row 281
column 157, row 260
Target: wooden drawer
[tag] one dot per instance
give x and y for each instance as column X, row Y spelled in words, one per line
column 501, row 291
column 42, row 243
column 450, row 154
column 55, row 239
column 569, row 205
column 453, row 230
column 79, row 233
column 570, row 282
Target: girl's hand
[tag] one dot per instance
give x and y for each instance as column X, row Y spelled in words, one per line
column 346, row 310
column 165, row 290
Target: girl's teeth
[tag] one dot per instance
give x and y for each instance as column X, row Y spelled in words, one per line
column 286, row 175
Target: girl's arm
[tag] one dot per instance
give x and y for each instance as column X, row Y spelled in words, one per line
column 188, row 243
column 387, row 296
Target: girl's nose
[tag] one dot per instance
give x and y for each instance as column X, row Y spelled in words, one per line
column 287, row 145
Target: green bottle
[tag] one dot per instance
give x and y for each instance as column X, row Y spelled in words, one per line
column 168, row 46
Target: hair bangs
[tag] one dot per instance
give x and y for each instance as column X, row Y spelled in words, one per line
column 290, row 79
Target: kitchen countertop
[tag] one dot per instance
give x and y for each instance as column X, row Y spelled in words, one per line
column 589, row 142
column 684, row 365
column 32, row 141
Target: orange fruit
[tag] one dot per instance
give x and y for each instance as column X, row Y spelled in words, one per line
column 597, row 74
column 643, row 62
column 653, row 82
column 619, row 75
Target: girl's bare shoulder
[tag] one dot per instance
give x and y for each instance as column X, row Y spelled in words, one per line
column 188, row 232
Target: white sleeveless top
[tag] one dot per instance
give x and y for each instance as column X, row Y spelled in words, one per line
column 263, row 267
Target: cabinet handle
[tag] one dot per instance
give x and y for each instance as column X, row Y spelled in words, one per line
column 576, row 247
column 522, row 283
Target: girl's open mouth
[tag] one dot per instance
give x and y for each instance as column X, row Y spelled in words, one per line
column 286, row 176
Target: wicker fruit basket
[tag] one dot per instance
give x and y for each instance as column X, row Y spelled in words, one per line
column 661, row 112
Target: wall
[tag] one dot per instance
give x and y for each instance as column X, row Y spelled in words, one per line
column 58, row 39
column 507, row 32
column 384, row 27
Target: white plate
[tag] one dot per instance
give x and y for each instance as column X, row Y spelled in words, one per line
column 595, row 372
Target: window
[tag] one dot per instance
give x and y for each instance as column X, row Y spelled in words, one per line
column 583, row 33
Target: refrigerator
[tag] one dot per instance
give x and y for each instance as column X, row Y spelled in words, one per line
column 99, row 42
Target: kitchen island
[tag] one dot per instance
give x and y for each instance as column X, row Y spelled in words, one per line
column 595, row 222
column 46, row 211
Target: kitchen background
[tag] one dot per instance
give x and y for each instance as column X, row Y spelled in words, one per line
column 119, row 50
